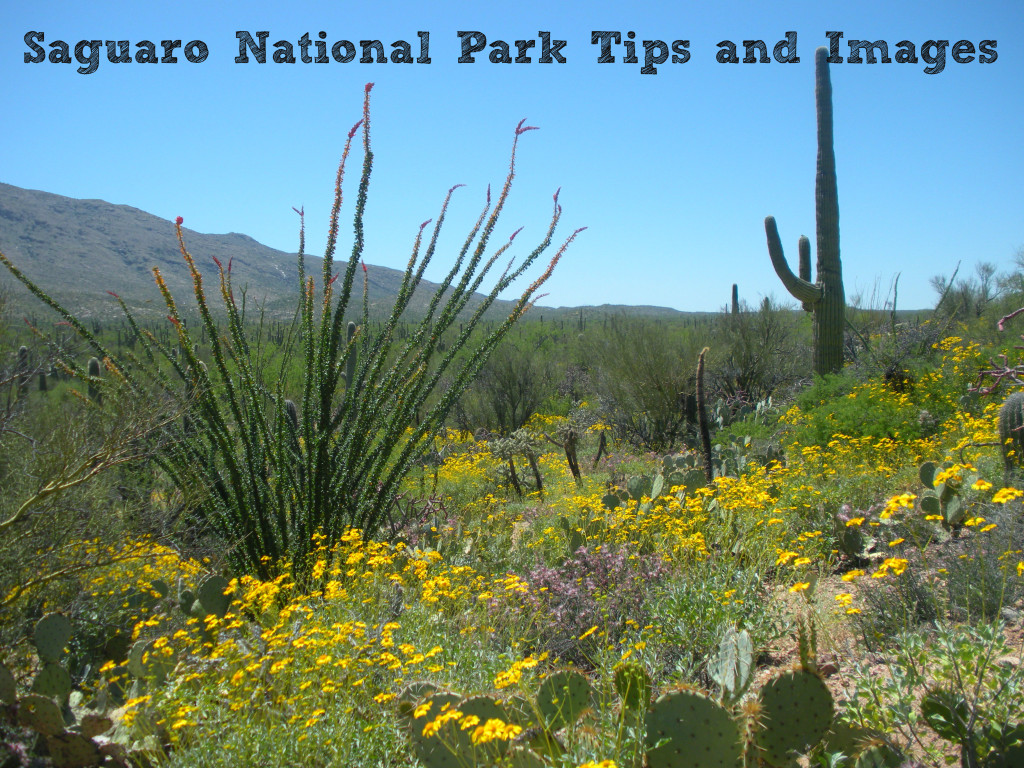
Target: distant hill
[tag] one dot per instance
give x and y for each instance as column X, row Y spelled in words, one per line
column 77, row 250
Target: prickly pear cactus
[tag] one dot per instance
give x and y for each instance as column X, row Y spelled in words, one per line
column 53, row 681
column 796, row 712
column 73, row 750
column 633, row 685
column 483, row 709
column 686, row 729
column 943, row 498
column 562, row 698
column 148, row 660
column 733, row 666
column 411, row 695
column 640, row 486
column 212, row 595
column 51, row 636
column 855, row 741
column 429, row 746
column 186, row 597
column 41, row 714
column 92, row 724
column 8, row 687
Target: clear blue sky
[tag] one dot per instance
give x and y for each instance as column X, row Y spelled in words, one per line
column 672, row 173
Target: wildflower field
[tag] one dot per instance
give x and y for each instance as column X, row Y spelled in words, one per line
column 435, row 642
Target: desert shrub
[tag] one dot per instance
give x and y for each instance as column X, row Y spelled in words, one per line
column 510, row 388
column 969, row 577
column 896, row 604
column 64, row 460
column 962, row 683
column 910, row 404
column 592, row 599
column 645, row 381
column 694, row 608
column 755, row 353
column 270, row 468
column 978, row 569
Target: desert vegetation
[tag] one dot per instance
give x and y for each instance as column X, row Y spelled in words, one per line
column 445, row 539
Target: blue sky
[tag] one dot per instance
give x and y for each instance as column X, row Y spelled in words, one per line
column 672, row 173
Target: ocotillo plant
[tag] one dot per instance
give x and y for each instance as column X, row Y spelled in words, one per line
column 825, row 297
column 239, row 467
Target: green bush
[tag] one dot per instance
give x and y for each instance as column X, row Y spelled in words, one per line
column 269, row 467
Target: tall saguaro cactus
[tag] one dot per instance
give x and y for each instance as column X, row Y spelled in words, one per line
column 825, row 297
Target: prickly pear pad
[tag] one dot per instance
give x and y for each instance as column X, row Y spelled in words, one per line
column 633, row 685
column 411, row 695
column 73, row 750
column 8, row 688
column 41, row 714
column 53, row 681
column 562, row 698
column 51, row 635
column 796, row 712
column 212, row 595
column 484, row 709
column 701, row 733
column 430, row 747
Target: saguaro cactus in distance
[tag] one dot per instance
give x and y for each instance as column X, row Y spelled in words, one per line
column 825, row 297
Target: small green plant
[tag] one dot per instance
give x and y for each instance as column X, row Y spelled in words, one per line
column 964, row 684
column 942, row 495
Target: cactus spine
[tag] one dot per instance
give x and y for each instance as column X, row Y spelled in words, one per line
column 824, row 298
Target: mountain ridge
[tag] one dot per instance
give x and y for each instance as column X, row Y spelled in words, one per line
column 114, row 247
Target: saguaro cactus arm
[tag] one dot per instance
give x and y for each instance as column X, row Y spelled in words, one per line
column 802, row 289
column 804, row 249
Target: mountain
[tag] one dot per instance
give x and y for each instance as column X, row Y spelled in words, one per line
column 77, row 250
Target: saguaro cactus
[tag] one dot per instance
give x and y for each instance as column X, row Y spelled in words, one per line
column 1011, row 431
column 93, row 368
column 825, row 297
